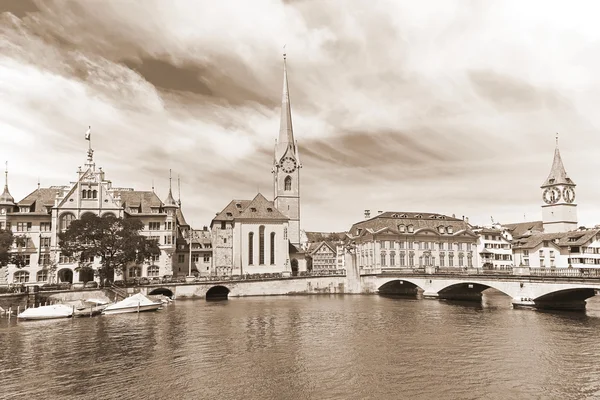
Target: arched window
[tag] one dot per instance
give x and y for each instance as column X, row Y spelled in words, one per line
column 272, row 248
column 251, row 248
column 95, row 194
column 65, row 221
column 21, row 277
column 42, row 276
column 261, row 245
column 153, row 270
column 84, row 194
column 109, row 215
column 288, row 183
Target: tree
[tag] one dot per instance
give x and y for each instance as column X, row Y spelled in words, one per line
column 116, row 241
column 6, row 241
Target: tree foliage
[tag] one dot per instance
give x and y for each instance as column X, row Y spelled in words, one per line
column 6, row 241
column 116, row 241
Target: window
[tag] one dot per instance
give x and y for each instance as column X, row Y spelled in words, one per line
column 411, row 229
column 181, row 258
column 285, row 234
column 253, row 209
column 44, row 259
column 449, row 229
column 195, row 258
column 45, row 242
column 24, row 209
column 401, row 228
column 154, row 258
column 451, row 261
column 153, row 270
column 541, row 253
column 154, row 226
column 224, row 240
column 21, row 277
column 288, row 183
column 42, row 276
column 442, row 261
column 402, row 260
column 251, row 248
column 65, row 221
column 45, row 226
column 426, row 245
column 468, row 246
column 65, row 260
column 442, row 229
column 272, row 248
column 207, row 258
column 441, row 245
column 401, row 245
column 261, row 245
column 392, row 259
column 525, row 253
column 134, row 272
column 551, row 253
column 411, row 245
column 383, row 259
column 168, row 239
column 470, row 261
column 154, row 238
column 223, row 225
column 411, row 260
column 461, row 260
column 23, row 226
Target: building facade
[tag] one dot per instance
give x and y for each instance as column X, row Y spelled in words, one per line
column 38, row 218
column 325, row 251
column 494, row 248
column 394, row 240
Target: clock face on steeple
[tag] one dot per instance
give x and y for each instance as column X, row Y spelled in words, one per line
column 551, row 195
column 568, row 195
column 288, row 165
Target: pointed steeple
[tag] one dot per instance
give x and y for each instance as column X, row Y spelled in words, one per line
column 170, row 201
column 5, row 197
column 286, row 132
column 558, row 174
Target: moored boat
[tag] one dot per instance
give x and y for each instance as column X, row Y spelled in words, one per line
column 53, row 311
column 136, row 303
column 90, row 307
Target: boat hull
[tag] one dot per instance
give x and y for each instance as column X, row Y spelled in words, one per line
column 132, row 309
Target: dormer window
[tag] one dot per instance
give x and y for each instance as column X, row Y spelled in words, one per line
column 450, row 230
column 442, row 229
column 269, row 209
column 401, row 228
column 418, row 216
column 24, row 209
column 253, row 209
column 395, row 215
column 238, row 205
column 403, row 216
column 359, row 231
column 432, row 216
column 411, row 229
column 229, row 214
column 133, row 210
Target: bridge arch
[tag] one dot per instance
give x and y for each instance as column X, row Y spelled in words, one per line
column 163, row 291
column 468, row 290
column 565, row 299
column 399, row 287
column 218, row 292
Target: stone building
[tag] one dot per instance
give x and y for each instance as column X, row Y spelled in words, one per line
column 394, row 240
column 41, row 215
column 325, row 250
column 494, row 248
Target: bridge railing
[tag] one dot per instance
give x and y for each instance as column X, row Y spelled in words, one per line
column 572, row 272
column 549, row 272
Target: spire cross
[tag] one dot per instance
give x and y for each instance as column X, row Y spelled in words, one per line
column 556, row 138
column 6, row 173
column 284, row 55
column 169, row 179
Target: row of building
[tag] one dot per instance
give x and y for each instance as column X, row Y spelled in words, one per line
column 260, row 236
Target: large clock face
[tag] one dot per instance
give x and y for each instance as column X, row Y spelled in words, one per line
column 288, row 165
column 568, row 195
column 551, row 195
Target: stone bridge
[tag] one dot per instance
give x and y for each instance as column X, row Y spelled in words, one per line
column 547, row 292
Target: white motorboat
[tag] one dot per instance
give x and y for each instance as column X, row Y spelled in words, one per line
column 90, row 307
column 136, row 303
column 47, row 312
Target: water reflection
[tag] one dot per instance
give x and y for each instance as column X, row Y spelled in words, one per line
column 335, row 347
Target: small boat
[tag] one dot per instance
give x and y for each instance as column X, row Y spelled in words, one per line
column 136, row 303
column 90, row 307
column 47, row 312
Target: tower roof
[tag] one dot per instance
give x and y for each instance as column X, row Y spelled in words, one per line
column 286, row 132
column 5, row 198
column 558, row 174
column 170, row 201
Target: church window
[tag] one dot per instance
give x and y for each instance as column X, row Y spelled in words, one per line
column 261, row 245
column 95, row 194
column 251, row 248
column 84, row 194
column 288, row 183
column 272, row 248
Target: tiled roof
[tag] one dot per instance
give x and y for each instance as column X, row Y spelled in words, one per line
column 326, row 236
column 180, row 218
column 519, row 229
column 257, row 208
column 391, row 220
column 572, row 238
column 136, row 198
column 6, row 199
column 170, row 201
column 39, row 200
column 558, row 175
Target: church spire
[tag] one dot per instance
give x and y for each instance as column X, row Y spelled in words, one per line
column 558, row 174
column 286, row 132
column 5, row 197
column 170, row 201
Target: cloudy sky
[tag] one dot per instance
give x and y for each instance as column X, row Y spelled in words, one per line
column 440, row 106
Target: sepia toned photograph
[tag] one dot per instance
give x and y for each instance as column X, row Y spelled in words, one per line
column 299, row 199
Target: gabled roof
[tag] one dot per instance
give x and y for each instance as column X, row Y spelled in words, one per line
column 137, row 198
column 520, row 228
column 314, row 247
column 232, row 210
column 560, row 239
column 558, row 174
column 326, row 236
column 180, row 218
column 39, row 200
column 261, row 208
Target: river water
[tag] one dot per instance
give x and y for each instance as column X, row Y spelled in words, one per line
column 308, row 347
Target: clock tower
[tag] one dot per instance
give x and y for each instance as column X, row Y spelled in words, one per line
column 286, row 167
column 559, row 211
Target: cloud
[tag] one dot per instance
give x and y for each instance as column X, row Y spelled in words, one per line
column 433, row 106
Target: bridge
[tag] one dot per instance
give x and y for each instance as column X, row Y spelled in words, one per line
column 558, row 290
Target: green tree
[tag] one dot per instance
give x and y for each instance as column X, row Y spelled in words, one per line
column 116, row 241
column 6, row 241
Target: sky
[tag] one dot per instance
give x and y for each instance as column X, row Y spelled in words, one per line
column 435, row 106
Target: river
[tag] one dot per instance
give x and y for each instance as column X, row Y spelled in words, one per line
column 308, row 347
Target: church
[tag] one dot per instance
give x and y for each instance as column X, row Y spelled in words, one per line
column 261, row 236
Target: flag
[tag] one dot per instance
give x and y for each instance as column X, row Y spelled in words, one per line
column 88, row 133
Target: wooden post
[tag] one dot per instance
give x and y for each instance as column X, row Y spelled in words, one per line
column 18, row 309
column 138, row 310
column 90, row 311
column 9, row 312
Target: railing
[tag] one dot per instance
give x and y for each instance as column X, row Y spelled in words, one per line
column 119, row 292
column 572, row 272
column 522, row 271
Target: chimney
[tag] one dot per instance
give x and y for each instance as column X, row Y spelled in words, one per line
column 467, row 220
column 463, row 217
column 205, row 228
column 367, row 214
column 453, row 215
column 379, row 212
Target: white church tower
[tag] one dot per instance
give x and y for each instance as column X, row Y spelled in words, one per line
column 286, row 167
column 559, row 211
